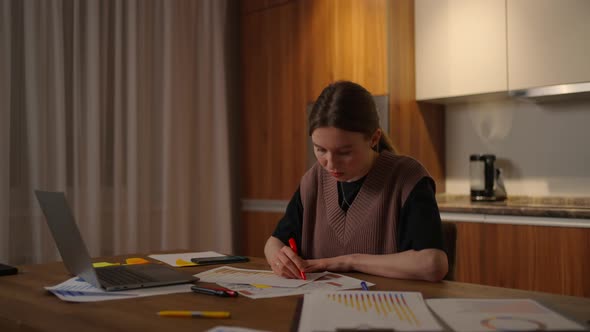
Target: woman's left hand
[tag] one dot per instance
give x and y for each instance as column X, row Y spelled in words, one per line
column 335, row 264
column 425, row 264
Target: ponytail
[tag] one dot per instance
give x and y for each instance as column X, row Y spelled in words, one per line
column 385, row 143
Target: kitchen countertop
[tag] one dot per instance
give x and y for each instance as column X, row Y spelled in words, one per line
column 552, row 207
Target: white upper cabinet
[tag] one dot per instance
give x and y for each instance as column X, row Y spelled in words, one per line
column 460, row 47
column 473, row 47
column 548, row 42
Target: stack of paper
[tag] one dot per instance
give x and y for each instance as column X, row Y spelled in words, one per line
column 78, row 290
column 258, row 284
column 363, row 310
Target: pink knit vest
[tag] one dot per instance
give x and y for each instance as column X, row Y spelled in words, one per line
column 369, row 226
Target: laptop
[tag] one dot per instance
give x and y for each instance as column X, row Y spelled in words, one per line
column 77, row 260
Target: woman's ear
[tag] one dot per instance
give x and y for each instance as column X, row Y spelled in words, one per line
column 375, row 138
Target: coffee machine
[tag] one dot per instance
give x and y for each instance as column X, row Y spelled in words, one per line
column 485, row 179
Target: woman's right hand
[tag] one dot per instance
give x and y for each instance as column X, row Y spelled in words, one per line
column 287, row 264
column 283, row 261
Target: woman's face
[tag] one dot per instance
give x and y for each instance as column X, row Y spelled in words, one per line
column 346, row 155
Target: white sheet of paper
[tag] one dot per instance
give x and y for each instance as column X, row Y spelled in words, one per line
column 365, row 310
column 232, row 275
column 172, row 259
column 499, row 314
column 327, row 282
column 78, row 290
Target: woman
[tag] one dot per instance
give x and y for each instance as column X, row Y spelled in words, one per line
column 360, row 207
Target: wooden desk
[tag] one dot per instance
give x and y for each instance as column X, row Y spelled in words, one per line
column 26, row 306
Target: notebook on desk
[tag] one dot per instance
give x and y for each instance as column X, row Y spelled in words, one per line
column 77, row 260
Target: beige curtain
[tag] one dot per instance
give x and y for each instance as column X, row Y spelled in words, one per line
column 125, row 106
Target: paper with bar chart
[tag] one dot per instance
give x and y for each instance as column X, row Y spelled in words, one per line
column 228, row 274
column 328, row 282
column 499, row 315
column 365, row 310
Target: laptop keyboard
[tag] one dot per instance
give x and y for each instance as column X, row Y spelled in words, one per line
column 121, row 276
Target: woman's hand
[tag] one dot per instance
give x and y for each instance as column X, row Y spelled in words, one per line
column 426, row 264
column 287, row 264
column 282, row 260
column 334, row 264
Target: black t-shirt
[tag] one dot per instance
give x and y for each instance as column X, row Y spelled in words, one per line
column 419, row 225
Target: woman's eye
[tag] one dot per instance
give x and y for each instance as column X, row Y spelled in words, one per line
column 318, row 150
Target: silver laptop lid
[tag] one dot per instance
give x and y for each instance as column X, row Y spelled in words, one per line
column 66, row 235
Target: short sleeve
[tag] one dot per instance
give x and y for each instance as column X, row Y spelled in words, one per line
column 290, row 226
column 420, row 226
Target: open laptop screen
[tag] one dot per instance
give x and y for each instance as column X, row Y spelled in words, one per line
column 66, row 235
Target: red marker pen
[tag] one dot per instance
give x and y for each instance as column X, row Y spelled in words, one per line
column 215, row 291
column 293, row 246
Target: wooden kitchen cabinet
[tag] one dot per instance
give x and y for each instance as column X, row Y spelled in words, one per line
column 460, row 47
column 541, row 258
column 548, row 42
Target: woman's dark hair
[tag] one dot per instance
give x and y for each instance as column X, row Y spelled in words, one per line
column 348, row 106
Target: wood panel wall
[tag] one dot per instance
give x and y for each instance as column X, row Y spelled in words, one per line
column 539, row 258
column 273, row 121
column 344, row 40
column 250, row 6
column 260, row 227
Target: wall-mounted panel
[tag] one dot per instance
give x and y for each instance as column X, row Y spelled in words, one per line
column 258, row 227
column 273, row 127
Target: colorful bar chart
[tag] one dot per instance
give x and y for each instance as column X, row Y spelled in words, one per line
column 389, row 304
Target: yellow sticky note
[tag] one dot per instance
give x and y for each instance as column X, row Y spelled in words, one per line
column 182, row 262
column 261, row 286
column 135, row 260
column 103, row 264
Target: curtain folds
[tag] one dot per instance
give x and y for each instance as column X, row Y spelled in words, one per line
column 125, row 106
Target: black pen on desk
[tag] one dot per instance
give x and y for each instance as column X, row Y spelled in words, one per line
column 364, row 285
column 216, row 292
